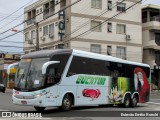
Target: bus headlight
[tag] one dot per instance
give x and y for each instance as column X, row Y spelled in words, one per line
column 37, row 95
column 13, row 94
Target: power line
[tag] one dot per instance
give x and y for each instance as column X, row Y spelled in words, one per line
column 104, row 21
column 11, row 42
column 15, row 11
column 28, row 19
column 13, row 20
column 41, row 20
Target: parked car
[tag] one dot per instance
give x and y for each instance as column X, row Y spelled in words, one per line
column 2, row 88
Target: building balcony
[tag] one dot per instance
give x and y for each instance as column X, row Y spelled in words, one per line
column 152, row 41
column 47, row 15
column 31, row 21
column 153, row 24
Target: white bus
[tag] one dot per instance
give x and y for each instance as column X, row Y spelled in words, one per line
column 66, row 78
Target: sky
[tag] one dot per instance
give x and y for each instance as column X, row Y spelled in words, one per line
column 9, row 6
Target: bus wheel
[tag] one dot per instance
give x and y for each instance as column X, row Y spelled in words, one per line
column 66, row 103
column 134, row 101
column 127, row 101
column 39, row 109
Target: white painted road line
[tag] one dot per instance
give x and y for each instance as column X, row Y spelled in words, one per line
column 153, row 103
column 4, row 110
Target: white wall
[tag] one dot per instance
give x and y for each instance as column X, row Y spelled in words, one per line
column 84, row 7
column 133, row 53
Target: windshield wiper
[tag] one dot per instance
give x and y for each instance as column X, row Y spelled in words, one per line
column 26, row 83
column 18, row 85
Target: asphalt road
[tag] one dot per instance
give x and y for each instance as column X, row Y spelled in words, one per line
column 78, row 112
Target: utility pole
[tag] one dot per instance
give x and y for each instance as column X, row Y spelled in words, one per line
column 37, row 36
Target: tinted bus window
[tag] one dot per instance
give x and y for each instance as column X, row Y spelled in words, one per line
column 81, row 65
column 63, row 58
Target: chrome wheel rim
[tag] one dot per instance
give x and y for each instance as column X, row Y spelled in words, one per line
column 66, row 103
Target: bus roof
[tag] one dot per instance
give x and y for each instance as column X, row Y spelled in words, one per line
column 46, row 53
column 106, row 57
column 51, row 53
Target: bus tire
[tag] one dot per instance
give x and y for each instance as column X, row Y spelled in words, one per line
column 127, row 101
column 66, row 103
column 39, row 109
column 134, row 101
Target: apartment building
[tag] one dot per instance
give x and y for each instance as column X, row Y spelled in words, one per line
column 151, row 37
column 120, row 37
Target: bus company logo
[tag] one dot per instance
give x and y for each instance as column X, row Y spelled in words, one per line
column 6, row 114
column 88, row 80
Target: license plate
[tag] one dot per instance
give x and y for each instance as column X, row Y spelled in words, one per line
column 24, row 102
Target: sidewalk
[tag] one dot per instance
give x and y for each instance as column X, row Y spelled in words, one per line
column 9, row 91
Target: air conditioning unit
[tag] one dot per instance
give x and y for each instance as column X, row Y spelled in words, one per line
column 43, row 38
column 46, row 6
column 128, row 37
column 30, row 41
column 51, row 35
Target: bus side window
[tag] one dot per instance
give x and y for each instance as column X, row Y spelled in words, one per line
column 79, row 65
column 52, row 76
column 99, row 67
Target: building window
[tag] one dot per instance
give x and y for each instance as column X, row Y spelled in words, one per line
column 96, row 48
column 63, row 3
column 45, row 30
column 37, row 11
column 109, row 5
column 157, row 38
column 97, row 4
column 109, row 27
column 46, row 11
column 121, row 7
column 121, row 52
column 152, row 35
column 52, row 7
column 157, row 58
column 121, row 29
column 27, row 36
column 40, row 10
column 33, row 34
column 109, row 50
column 96, row 25
column 29, row 15
column 51, row 28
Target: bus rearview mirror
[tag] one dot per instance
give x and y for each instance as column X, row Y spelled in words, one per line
column 11, row 66
column 45, row 66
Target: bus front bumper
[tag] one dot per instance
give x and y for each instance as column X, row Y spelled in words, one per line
column 29, row 102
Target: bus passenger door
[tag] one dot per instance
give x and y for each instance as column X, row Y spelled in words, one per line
column 51, row 93
column 51, row 96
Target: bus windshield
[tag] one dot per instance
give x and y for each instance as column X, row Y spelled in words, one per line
column 29, row 74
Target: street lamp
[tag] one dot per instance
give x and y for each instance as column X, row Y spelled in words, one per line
column 15, row 30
